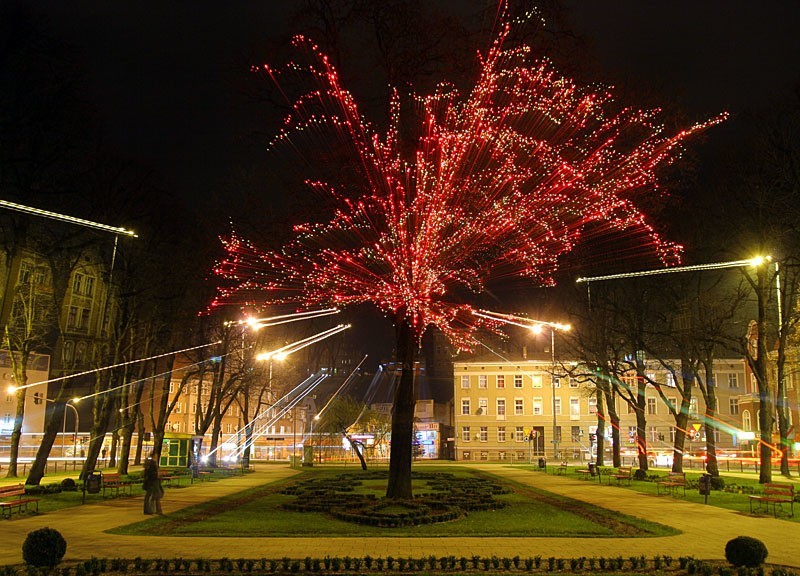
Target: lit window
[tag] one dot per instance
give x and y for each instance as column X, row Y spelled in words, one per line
column 537, row 406
column 501, row 381
column 537, row 380
column 575, row 407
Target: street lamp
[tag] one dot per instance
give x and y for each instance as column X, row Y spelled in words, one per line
column 64, row 428
column 537, row 329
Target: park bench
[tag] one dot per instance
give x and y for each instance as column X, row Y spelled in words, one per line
column 672, row 482
column 167, row 476
column 776, row 495
column 562, row 468
column 623, row 474
column 113, row 483
column 18, row 500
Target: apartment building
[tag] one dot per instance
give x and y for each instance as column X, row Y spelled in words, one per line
column 513, row 410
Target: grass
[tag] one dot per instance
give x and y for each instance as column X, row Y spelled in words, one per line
column 736, row 501
column 529, row 512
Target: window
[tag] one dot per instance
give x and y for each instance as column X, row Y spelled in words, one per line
column 670, row 380
column 672, row 434
column 536, row 379
column 574, row 408
column 72, row 317
column 519, row 434
column 483, row 406
column 84, row 319
column 693, row 406
column 674, row 402
column 178, row 408
column 77, row 283
column 653, row 434
column 501, row 407
column 88, row 287
column 557, row 406
column 573, row 383
column 229, row 428
column 733, row 380
column 465, row 433
column 651, row 406
column 631, row 434
column 501, row 381
column 537, row 406
column 483, row 381
column 25, row 270
column 747, row 425
column 519, row 406
column 517, row 380
column 733, row 406
column 592, row 405
column 576, row 433
column 556, row 381
column 465, row 409
column 558, row 433
column 501, row 434
column 171, row 387
column 483, row 434
column 465, row 381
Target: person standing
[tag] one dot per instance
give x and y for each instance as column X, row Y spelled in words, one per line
column 152, row 487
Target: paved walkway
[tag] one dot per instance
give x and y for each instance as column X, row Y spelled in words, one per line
column 705, row 529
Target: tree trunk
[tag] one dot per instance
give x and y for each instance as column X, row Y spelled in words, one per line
column 758, row 363
column 710, row 397
column 600, row 436
column 400, row 451
column 616, row 458
column 358, row 449
column 53, row 423
column 126, row 435
column 783, row 407
column 681, row 422
column 140, row 439
column 16, row 434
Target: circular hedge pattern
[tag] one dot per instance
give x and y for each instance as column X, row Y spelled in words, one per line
column 448, row 497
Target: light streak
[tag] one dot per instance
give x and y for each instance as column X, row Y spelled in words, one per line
column 129, row 362
column 281, row 353
column 257, row 323
column 757, row 261
column 66, row 218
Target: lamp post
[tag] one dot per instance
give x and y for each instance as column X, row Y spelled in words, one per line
column 537, row 329
column 64, row 427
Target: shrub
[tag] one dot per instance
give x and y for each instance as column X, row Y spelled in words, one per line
column 717, row 483
column 745, row 551
column 69, row 485
column 640, row 474
column 44, row 547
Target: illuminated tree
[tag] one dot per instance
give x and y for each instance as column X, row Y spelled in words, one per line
column 495, row 183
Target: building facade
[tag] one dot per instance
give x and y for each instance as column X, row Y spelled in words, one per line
column 512, row 411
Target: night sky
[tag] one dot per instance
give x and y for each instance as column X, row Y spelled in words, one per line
column 163, row 77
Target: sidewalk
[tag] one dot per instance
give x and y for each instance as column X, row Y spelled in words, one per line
column 705, row 529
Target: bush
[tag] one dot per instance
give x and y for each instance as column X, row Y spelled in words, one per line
column 640, row 474
column 746, row 551
column 44, row 547
column 69, row 485
column 717, row 483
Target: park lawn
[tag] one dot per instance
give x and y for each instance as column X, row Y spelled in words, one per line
column 529, row 512
column 737, row 500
